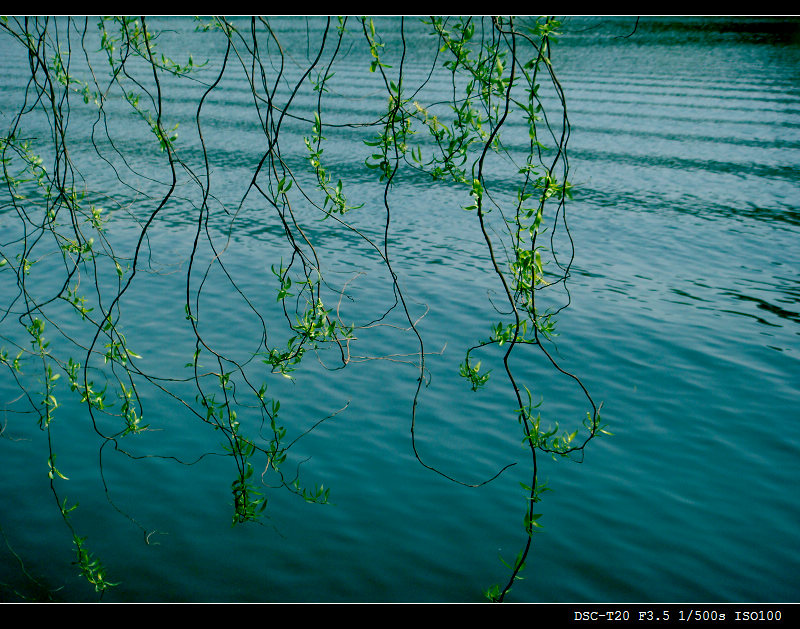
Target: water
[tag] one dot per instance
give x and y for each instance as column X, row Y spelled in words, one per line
column 684, row 320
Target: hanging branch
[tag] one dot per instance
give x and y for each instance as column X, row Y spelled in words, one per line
column 496, row 69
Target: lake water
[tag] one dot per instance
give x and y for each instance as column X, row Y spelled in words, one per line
column 684, row 320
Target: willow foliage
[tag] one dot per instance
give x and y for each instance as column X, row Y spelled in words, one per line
column 70, row 189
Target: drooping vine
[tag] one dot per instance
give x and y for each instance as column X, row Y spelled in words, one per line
column 75, row 177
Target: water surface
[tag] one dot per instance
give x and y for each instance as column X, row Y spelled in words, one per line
column 684, row 320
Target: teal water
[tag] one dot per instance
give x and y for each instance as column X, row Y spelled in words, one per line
column 684, row 320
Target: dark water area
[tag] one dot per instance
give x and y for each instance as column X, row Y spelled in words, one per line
column 684, row 319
